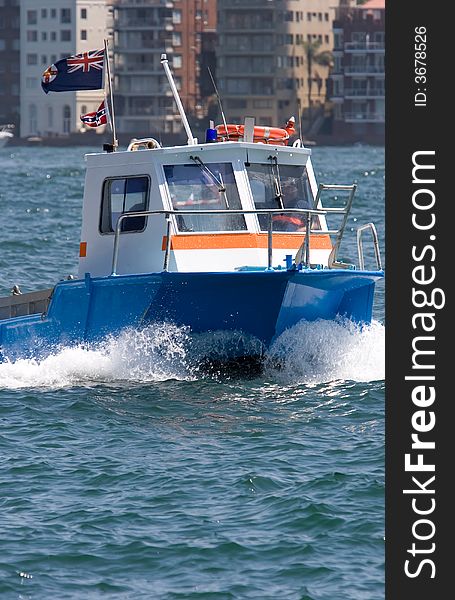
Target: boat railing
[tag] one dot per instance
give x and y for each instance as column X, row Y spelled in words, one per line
column 307, row 213
column 377, row 254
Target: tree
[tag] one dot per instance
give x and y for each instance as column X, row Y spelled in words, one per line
column 313, row 57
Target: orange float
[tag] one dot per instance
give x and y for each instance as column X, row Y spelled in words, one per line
column 264, row 135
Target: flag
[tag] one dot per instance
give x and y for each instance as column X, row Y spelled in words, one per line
column 97, row 118
column 80, row 72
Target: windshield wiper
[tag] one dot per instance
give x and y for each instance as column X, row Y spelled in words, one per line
column 204, row 168
column 276, row 181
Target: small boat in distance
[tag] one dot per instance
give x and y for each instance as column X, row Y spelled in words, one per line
column 227, row 238
column 6, row 134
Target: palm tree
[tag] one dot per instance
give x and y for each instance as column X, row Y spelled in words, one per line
column 312, row 57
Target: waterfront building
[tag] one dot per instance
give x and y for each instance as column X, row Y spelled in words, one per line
column 358, row 89
column 142, row 31
column 9, row 62
column 270, row 58
column 51, row 30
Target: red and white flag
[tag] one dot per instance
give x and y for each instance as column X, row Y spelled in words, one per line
column 97, row 118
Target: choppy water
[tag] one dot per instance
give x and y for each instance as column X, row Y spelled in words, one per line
column 126, row 473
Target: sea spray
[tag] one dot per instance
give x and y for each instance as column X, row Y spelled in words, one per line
column 309, row 352
column 154, row 353
column 322, row 351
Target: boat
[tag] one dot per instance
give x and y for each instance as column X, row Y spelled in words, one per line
column 6, row 134
column 228, row 237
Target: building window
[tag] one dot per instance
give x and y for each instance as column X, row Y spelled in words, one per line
column 31, row 83
column 43, row 59
column 53, row 36
column 326, row 39
column 177, row 17
column 308, row 16
column 83, row 13
column 32, row 18
column 53, row 58
column 326, row 16
column 124, row 195
column 44, row 36
column 66, row 119
column 177, row 61
column 65, row 35
column 176, row 38
column 32, row 59
column 32, row 118
column 32, row 35
column 44, row 13
column 83, row 34
column 65, row 15
column 53, row 13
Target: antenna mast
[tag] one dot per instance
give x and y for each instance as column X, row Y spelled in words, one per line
column 192, row 141
column 111, row 113
column 219, row 102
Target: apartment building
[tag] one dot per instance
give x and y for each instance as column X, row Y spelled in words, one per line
column 142, row 31
column 9, row 62
column 51, row 30
column 270, row 57
column 358, row 78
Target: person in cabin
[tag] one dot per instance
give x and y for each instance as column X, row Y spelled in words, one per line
column 290, row 199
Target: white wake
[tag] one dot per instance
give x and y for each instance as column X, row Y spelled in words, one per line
column 321, row 351
column 155, row 353
column 313, row 352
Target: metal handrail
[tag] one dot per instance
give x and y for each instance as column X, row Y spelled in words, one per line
column 347, row 209
column 308, row 212
column 374, row 233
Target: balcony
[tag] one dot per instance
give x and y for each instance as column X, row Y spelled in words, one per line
column 241, row 49
column 364, row 93
column 368, row 117
column 138, row 68
column 241, row 4
column 143, row 24
column 364, row 70
column 144, row 47
column 140, row 3
column 247, row 25
column 364, row 47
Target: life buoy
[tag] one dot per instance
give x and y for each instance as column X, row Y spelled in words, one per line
column 264, row 135
column 288, row 223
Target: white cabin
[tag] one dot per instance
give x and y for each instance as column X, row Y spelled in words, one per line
column 213, row 176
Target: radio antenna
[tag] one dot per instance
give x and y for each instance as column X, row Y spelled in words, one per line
column 299, row 103
column 219, row 102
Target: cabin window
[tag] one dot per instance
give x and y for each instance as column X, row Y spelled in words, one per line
column 295, row 189
column 204, row 186
column 123, row 195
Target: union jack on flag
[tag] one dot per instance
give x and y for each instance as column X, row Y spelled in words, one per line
column 96, row 118
column 80, row 72
column 86, row 61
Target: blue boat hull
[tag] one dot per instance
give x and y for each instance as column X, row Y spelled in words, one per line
column 261, row 304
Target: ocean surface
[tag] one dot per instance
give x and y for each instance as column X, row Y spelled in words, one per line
column 125, row 473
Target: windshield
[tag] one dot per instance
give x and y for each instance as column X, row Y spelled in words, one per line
column 281, row 186
column 203, row 186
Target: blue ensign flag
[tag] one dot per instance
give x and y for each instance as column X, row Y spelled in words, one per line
column 80, row 72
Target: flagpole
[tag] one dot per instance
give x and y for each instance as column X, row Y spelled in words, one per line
column 111, row 96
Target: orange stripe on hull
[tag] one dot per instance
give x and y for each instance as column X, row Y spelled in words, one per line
column 221, row 241
column 83, row 249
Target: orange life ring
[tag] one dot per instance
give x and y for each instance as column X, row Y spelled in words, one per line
column 265, row 135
